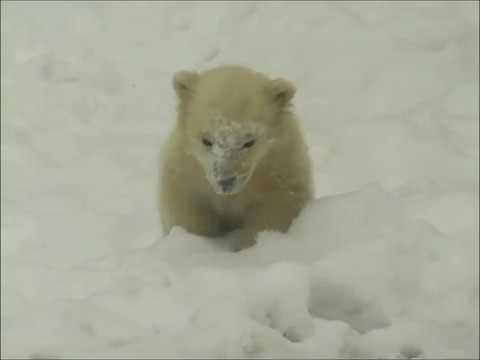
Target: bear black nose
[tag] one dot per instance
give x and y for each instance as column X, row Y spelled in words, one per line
column 227, row 184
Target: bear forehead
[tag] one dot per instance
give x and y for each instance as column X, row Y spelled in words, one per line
column 234, row 106
column 234, row 125
column 233, row 91
column 228, row 130
column 231, row 102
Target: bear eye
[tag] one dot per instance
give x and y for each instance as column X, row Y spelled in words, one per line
column 249, row 144
column 207, row 142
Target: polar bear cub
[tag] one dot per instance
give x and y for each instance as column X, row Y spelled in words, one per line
column 236, row 162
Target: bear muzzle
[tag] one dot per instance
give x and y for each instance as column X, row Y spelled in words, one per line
column 227, row 184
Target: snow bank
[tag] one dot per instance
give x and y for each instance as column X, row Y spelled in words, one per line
column 356, row 277
column 384, row 263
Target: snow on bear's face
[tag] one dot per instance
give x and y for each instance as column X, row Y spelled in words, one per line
column 229, row 118
column 229, row 150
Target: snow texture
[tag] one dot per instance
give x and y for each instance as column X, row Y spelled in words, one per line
column 383, row 264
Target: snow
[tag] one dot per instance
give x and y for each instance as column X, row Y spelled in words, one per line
column 384, row 263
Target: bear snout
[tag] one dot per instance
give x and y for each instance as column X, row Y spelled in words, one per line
column 227, row 184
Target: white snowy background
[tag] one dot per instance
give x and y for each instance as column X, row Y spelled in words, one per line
column 383, row 264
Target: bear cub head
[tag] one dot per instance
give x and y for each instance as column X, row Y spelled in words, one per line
column 230, row 118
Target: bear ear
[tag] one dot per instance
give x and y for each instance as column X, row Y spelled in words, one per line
column 281, row 91
column 184, row 84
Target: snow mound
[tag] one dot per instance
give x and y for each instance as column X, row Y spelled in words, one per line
column 355, row 277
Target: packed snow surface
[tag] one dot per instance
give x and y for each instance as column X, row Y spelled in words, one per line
column 384, row 263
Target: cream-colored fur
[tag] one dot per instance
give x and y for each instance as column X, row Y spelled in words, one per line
column 236, row 124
